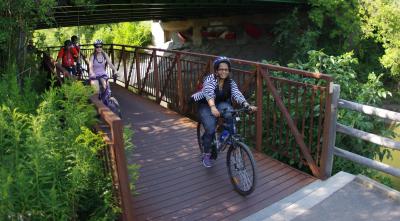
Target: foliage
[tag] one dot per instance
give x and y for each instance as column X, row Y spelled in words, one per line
column 339, row 23
column 14, row 96
column 127, row 33
column 290, row 38
column 336, row 27
column 381, row 21
column 49, row 161
column 371, row 92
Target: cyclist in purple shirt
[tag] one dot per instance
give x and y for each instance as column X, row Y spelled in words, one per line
column 98, row 62
column 216, row 95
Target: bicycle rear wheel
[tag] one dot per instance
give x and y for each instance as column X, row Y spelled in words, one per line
column 242, row 168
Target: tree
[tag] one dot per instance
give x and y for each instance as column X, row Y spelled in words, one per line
column 381, row 22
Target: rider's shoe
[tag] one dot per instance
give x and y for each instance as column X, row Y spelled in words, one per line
column 206, row 160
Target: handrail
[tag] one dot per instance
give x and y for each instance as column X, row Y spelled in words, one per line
column 370, row 137
column 116, row 144
column 239, row 61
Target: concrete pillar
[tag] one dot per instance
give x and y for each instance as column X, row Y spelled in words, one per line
column 158, row 34
column 197, row 38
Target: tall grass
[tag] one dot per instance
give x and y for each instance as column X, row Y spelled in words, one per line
column 49, row 165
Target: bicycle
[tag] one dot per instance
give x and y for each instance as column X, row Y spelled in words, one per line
column 105, row 94
column 241, row 165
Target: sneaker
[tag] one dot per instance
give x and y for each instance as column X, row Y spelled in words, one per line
column 206, row 160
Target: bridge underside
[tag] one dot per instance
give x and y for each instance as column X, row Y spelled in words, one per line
column 107, row 11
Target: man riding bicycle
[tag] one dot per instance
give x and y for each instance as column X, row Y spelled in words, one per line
column 216, row 95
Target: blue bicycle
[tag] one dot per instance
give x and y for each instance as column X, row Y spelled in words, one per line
column 241, row 165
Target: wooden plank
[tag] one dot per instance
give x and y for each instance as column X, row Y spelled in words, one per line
column 197, row 172
column 366, row 109
column 373, row 138
column 368, row 162
column 187, row 192
column 225, row 200
column 268, row 201
column 214, row 198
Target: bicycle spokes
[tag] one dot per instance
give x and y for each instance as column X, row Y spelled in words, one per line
column 241, row 175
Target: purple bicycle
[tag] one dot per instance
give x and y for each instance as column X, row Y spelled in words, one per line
column 105, row 94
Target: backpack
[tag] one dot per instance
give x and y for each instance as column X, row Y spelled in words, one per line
column 104, row 57
column 68, row 57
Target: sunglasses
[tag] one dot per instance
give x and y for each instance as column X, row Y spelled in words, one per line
column 98, row 46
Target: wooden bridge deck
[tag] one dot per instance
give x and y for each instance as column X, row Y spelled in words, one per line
column 174, row 185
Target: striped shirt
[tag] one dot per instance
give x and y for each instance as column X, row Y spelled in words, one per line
column 208, row 92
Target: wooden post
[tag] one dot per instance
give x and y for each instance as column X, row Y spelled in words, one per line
column 179, row 82
column 112, row 56
column 137, row 68
column 156, row 80
column 210, row 66
column 122, row 170
column 328, row 151
column 259, row 109
column 125, row 68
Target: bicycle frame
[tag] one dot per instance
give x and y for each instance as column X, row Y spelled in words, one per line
column 232, row 138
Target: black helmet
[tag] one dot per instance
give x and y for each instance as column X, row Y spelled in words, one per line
column 67, row 43
column 220, row 60
column 74, row 38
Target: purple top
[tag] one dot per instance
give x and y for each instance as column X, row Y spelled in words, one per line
column 99, row 65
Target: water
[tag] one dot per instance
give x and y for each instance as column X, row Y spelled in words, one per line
column 394, row 161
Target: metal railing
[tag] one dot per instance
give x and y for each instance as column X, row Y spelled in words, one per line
column 291, row 120
column 114, row 157
column 373, row 138
column 292, row 103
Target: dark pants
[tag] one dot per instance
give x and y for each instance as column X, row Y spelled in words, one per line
column 71, row 70
column 210, row 122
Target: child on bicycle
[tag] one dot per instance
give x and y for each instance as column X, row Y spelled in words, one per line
column 98, row 62
column 216, row 95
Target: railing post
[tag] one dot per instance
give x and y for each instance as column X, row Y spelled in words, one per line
column 112, row 56
column 122, row 170
column 125, row 68
column 179, row 82
column 329, row 141
column 156, row 81
column 210, row 66
column 137, row 68
column 259, row 103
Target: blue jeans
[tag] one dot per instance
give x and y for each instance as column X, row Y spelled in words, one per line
column 210, row 122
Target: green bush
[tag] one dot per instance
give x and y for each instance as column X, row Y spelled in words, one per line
column 342, row 68
column 49, row 163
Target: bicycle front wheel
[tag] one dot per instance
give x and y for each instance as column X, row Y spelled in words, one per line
column 241, row 168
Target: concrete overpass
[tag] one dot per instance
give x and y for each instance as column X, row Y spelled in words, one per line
column 107, row 11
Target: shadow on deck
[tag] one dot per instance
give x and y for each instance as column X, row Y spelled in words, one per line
column 174, row 185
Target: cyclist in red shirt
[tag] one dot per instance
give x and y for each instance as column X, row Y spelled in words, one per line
column 67, row 56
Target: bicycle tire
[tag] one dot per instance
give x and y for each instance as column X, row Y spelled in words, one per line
column 114, row 106
column 200, row 131
column 233, row 164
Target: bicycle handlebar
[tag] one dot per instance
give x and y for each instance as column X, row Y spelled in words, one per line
column 246, row 110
